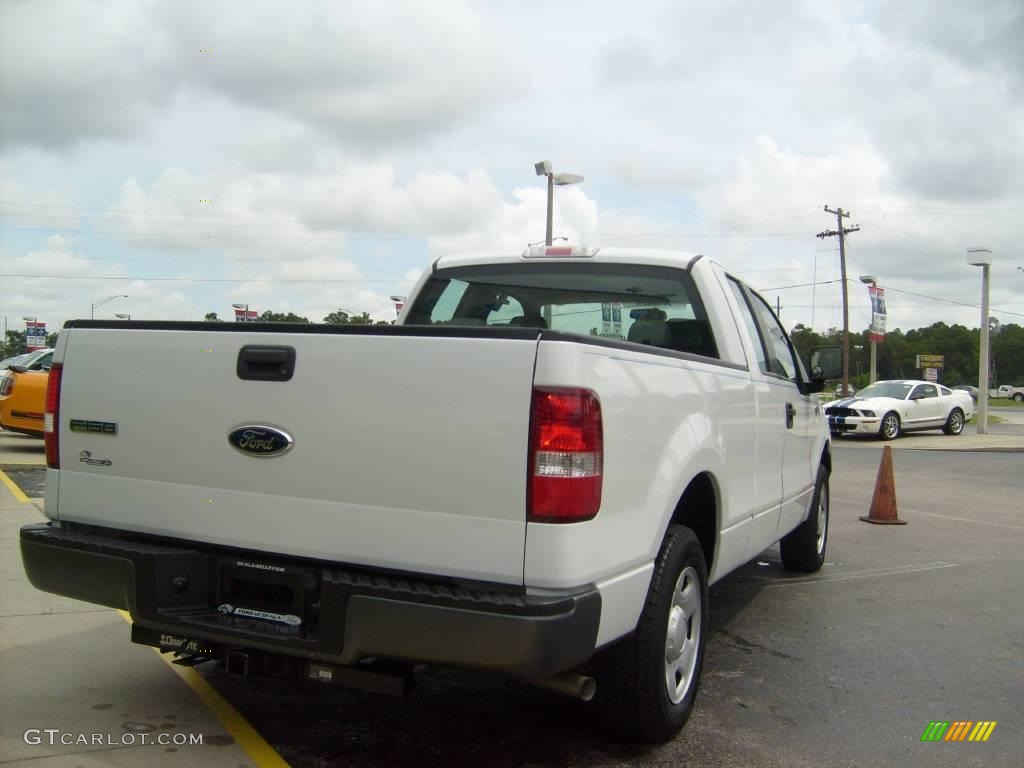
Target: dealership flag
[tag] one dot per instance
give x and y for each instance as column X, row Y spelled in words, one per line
column 877, row 332
column 35, row 335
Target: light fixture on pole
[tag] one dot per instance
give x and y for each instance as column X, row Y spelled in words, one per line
column 123, row 317
column 982, row 257
column 92, row 307
column 543, row 168
column 872, row 282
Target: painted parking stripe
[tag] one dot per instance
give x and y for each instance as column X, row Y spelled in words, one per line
column 14, row 489
column 254, row 745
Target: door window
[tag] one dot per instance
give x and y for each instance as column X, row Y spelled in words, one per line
column 751, row 326
column 782, row 362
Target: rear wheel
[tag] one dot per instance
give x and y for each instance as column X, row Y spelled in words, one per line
column 1018, row 397
column 803, row 548
column 955, row 422
column 890, row 428
column 647, row 682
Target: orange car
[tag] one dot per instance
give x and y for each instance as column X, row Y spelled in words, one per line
column 23, row 400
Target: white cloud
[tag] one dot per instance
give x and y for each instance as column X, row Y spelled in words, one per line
column 358, row 141
column 363, row 73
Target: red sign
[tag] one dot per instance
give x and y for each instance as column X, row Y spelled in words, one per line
column 246, row 316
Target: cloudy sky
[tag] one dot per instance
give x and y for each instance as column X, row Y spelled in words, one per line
column 311, row 156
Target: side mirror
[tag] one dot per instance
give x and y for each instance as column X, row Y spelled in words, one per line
column 917, row 396
column 826, row 363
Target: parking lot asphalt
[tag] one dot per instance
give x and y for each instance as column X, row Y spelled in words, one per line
column 73, row 690
column 903, row 626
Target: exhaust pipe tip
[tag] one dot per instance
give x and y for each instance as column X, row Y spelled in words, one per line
column 576, row 686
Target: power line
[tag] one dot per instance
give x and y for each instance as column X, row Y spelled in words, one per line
column 800, row 285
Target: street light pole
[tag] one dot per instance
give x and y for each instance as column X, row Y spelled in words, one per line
column 543, row 168
column 982, row 257
column 92, row 307
column 873, row 375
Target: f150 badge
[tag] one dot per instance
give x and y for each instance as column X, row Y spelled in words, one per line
column 260, row 440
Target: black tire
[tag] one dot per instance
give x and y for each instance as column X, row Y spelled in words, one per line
column 632, row 675
column 1018, row 397
column 803, row 548
column 955, row 423
column 890, row 427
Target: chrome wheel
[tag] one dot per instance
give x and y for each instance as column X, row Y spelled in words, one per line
column 956, row 423
column 683, row 635
column 890, row 426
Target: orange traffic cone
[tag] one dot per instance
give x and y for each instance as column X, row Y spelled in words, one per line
column 883, row 503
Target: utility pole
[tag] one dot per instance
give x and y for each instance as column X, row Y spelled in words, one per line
column 778, row 307
column 842, row 233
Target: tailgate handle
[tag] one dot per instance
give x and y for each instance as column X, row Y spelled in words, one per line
column 259, row 363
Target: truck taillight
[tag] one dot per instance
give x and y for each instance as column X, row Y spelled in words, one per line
column 566, row 456
column 51, row 418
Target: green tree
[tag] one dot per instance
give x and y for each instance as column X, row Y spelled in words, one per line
column 281, row 317
column 1008, row 354
column 14, row 344
column 341, row 317
column 211, row 317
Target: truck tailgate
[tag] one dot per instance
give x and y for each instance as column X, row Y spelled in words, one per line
column 409, row 450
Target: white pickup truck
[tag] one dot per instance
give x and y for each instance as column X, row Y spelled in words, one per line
column 538, row 471
column 1009, row 392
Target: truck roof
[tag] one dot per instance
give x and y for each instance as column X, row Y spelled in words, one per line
column 647, row 256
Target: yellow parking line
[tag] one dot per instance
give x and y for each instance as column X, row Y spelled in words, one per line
column 254, row 745
column 13, row 488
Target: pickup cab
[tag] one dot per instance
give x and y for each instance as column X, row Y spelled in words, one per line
column 537, row 471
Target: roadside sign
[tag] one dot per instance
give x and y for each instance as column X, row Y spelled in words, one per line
column 931, row 374
column 35, row 335
column 929, row 361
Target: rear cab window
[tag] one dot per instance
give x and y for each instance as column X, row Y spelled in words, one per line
column 646, row 305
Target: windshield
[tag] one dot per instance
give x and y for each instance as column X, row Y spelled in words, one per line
column 897, row 389
column 644, row 305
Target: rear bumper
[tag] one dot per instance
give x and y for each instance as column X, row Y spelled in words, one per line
column 323, row 612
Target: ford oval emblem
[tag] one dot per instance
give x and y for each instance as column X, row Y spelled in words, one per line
column 260, row 440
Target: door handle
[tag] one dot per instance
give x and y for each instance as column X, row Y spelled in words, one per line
column 790, row 415
column 258, row 363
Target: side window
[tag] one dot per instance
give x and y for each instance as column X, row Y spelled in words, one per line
column 925, row 390
column 783, row 363
column 751, row 324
